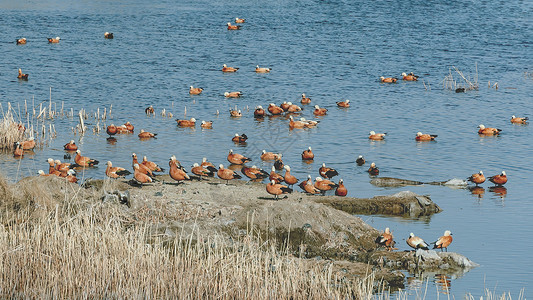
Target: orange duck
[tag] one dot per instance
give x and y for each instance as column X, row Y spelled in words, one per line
column 269, row 155
column 201, row 171
column 275, row 176
column 308, row 154
column 108, row 35
column 499, row 179
column 208, row 165
column 309, row 123
column 61, row 167
column 284, row 105
column 277, row 189
column 388, row 79
column 416, row 242
column 289, row 178
column 111, row 130
column 278, row 163
column 22, row 76
column 488, row 130
column 518, row 120
column 275, row 110
column 425, row 137
column 232, row 94
column 410, row 77
column 195, row 91
column 296, row 124
column 386, row 239
column 238, row 20
column 70, row 146
column 373, row 170
column 54, row 40
column 376, row 136
column 341, row 189
column 177, row 172
column 239, row 138
column 84, row 161
column 343, row 104
column 29, row 144
column 254, row 173
column 262, row 70
column 305, row 100
column 207, row 124
column 259, row 112
column 444, row 241
column 21, row 41
column 235, row 113
column 320, row 111
column 141, row 177
column 129, row 126
column 310, row 188
column 151, row 165
column 227, row 174
column 233, row 27
column 293, row 108
column 477, row 178
column 324, row 185
column 51, row 168
column 237, row 159
column 142, row 168
column 146, row 135
column 115, row 172
column 327, row 172
column 71, row 176
column 227, row 69
column 186, row 123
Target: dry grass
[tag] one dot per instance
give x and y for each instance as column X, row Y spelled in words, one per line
column 55, row 246
column 10, row 129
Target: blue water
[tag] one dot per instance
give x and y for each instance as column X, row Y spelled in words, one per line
column 330, row 50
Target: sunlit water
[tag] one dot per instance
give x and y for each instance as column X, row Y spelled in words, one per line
column 331, row 50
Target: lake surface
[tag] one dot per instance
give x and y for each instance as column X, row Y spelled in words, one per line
column 330, row 50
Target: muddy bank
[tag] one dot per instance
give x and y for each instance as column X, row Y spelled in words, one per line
column 299, row 224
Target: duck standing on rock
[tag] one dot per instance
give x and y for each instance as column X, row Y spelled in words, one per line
column 386, row 239
column 289, row 178
column 444, row 241
column 324, row 185
column 416, row 242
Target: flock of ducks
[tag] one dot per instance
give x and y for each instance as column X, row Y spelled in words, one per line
column 143, row 172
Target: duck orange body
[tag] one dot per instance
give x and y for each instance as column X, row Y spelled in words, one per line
column 409, row 77
column 277, row 189
column 275, row 110
column 146, row 135
column 21, row 41
column 239, row 138
column 227, row 174
column 54, row 40
column 259, row 112
column 115, row 172
column 518, row 120
column 308, row 154
column 324, row 185
column 327, row 172
column 305, row 99
column 425, row 137
column 187, row 123
column 270, row 155
column 254, row 173
column 343, row 104
column 289, row 178
column 320, row 111
column 70, row 146
column 22, row 75
column 29, row 144
column 195, row 91
column 237, row 159
column 275, row 176
column 238, row 20
column 386, row 239
column 376, row 136
column 499, row 179
column 84, row 161
column 373, row 170
column 227, row 69
column 341, row 189
column 444, row 241
column 233, row 27
column 488, row 130
column 388, row 79
column 477, row 178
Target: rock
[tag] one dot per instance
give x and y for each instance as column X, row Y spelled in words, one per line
column 427, row 255
column 458, row 259
column 393, row 182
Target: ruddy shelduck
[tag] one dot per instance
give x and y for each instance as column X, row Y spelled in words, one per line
column 235, row 113
column 320, row 111
column 239, row 138
column 309, row 123
column 22, row 75
column 195, row 90
column 327, row 172
column 29, row 144
column 227, row 69
column 275, row 176
column 518, row 120
column 232, row 94
column 142, row 168
column 227, row 174
column 308, row 154
column 309, row 187
column 324, row 185
column 237, row 159
column 274, row 109
column 262, row 70
column 239, row 20
column 477, row 178
column 488, row 130
column 278, row 163
column 305, row 99
column 208, row 165
column 360, row 160
column 54, row 40
column 61, row 166
column 115, row 172
column 201, row 171
column 177, row 172
column 277, row 189
column 151, row 165
column 206, row 124
column 70, row 146
column 386, row 239
column 233, row 27
column 341, row 189
column 21, row 41
column 303, row 183
column 388, row 79
column 186, row 123
column 254, row 173
column 416, row 242
column 51, row 167
column 409, row 77
column 373, row 170
column 269, row 155
column 108, row 35
column 424, row 137
column 123, row 129
column 149, row 110
column 84, row 161
column 146, row 135
column 444, row 241
column 499, row 179
column 71, row 176
column 376, row 136
column 140, row 177
column 289, row 178
column 296, row 124
column 111, row 130
column 284, row 105
column 293, row 108
column 42, row 173
column 343, row 104
column 259, row 112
